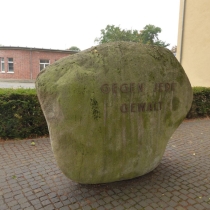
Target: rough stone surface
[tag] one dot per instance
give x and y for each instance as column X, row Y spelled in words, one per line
column 112, row 109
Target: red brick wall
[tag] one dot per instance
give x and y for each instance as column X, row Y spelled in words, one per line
column 26, row 62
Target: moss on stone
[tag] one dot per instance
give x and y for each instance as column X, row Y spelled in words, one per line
column 175, row 103
column 92, row 139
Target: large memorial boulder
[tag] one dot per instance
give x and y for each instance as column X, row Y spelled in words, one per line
column 112, row 109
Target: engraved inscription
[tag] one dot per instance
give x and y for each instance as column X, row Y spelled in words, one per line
column 161, row 87
column 141, row 107
column 132, row 87
column 105, row 88
column 123, row 88
column 137, row 88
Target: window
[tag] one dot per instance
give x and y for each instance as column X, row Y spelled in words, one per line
column 10, row 65
column 44, row 63
column 2, row 65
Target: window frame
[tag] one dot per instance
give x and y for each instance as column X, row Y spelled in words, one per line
column 2, row 65
column 45, row 62
column 8, row 68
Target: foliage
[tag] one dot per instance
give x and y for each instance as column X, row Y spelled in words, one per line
column 74, row 48
column 20, row 114
column 112, row 34
column 201, row 103
column 149, row 35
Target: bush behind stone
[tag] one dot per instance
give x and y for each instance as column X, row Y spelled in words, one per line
column 21, row 115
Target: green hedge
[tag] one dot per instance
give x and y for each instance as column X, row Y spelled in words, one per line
column 21, row 115
column 201, row 103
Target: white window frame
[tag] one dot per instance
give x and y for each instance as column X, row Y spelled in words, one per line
column 2, row 66
column 10, row 62
column 44, row 62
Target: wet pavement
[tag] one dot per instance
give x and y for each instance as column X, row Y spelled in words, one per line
column 30, row 178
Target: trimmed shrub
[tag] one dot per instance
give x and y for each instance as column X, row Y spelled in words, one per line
column 201, row 103
column 21, row 115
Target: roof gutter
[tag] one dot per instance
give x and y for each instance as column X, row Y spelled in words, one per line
column 37, row 49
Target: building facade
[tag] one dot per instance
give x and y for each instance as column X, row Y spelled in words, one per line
column 25, row 63
column 193, row 47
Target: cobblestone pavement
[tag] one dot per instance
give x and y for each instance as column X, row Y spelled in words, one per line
column 30, row 179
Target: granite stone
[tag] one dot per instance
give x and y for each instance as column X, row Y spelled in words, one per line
column 112, row 109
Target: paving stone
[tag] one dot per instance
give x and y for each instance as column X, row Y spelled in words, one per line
column 165, row 199
column 16, row 207
column 199, row 206
column 74, row 206
column 191, row 208
column 183, row 197
column 40, row 194
column 206, row 205
column 115, row 203
column 143, row 203
column 8, row 195
column 140, row 193
column 58, row 205
column 38, row 206
column 49, row 207
column 101, row 208
column 66, row 202
column 8, row 200
column 149, row 208
column 63, row 198
column 25, row 205
column 86, row 208
column 18, row 196
column 190, row 201
column 154, row 205
column 1, row 201
column 45, row 202
column 169, row 208
column 4, row 207
column 119, row 208
column 22, row 200
column 108, row 206
column 180, row 208
column 31, row 197
column 12, row 203
column 29, row 208
column 101, row 202
column 64, row 208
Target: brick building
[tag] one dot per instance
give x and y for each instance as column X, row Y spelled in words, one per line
column 25, row 63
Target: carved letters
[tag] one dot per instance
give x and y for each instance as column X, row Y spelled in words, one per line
column 138, row 88
column 140, row 107
column 123, row 88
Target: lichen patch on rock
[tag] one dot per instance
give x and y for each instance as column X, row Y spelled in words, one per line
column 112, row 109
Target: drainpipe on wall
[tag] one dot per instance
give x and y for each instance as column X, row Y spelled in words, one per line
column 31, row 75
column 182, row 32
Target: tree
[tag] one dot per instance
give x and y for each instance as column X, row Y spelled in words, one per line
column 74, row 48
column 112, row 34
column 149, row 35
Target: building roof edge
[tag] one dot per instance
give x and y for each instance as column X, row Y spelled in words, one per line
column 36, row 49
